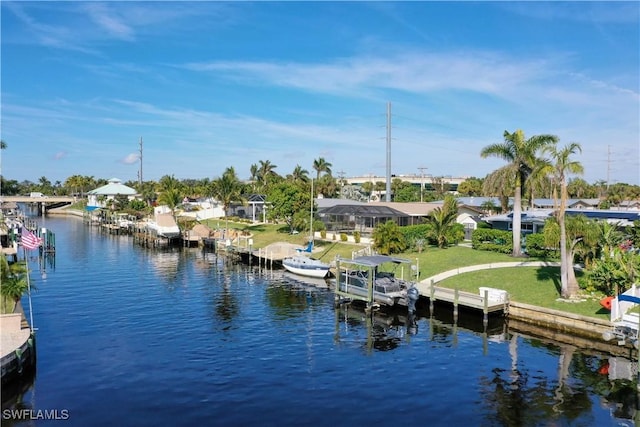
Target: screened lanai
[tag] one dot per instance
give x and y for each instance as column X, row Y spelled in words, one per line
column 363, row 218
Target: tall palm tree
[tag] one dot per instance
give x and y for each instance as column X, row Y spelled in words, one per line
column 561, row 167
column 321, row 165
column 3, row 145
column 521, row 154
column 266, row 172
column 254, row 178
column 299, row 174
column 499, row 184
column 227, row 189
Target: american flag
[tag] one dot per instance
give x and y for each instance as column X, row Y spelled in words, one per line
column 29, row 240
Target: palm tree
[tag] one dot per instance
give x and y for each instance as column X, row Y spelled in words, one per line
column 266, row 172
column 299, row 174
column 521, row 154
column 168, row 182
column 562, row 166
column 254, row 178
column 3, row 145
column 367, row 189
column 442, row 219
column 321, row 165
column 171, row 197
column 579, row 188
column 388, row 238
column 499, row 184
column 227, row 189
column 582, row 236
column 14, row 283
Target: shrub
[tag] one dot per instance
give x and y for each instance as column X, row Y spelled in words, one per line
column 492, row 240
column 343, row 237
column 535, row 247
column 323, row 234
column 356, row 236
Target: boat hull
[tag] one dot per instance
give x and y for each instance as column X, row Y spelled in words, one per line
column 304, row 266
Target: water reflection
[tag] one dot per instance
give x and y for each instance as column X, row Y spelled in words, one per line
column 14, row 394
column 381, row 330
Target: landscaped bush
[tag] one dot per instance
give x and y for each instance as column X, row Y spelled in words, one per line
column 413, row 232
column 492, row 240
column 416, row 236
column 535, row 247
column 323, row 234
column 356, row 236
column 343, row 237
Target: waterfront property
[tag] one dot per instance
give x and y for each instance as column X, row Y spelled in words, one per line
column 181, row 336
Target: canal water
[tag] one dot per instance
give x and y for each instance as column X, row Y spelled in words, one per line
column 135, row 337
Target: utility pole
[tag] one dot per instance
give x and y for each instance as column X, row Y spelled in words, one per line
column 140, row 174
column 608, row 164
column 388, row 195
column 422, row 169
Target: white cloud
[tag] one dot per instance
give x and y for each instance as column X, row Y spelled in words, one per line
column 131, row 158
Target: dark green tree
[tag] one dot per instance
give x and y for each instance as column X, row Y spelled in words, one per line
column 291, row 203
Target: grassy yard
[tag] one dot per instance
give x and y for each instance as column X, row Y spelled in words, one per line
column 538, row 286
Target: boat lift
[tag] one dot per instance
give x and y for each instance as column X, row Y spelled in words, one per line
column 359, row 279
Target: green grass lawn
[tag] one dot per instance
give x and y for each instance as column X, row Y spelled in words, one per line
column 538, row 286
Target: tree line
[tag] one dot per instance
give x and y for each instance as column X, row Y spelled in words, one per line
column 536, row 167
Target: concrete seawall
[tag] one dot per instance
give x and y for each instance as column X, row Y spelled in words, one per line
column 555, row 324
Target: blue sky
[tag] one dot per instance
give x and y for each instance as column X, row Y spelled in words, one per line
column 209, row 85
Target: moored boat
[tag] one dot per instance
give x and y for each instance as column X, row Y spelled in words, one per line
column 363, row 279
column 306, row 266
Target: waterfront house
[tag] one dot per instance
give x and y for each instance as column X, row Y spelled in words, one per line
column 101, row 196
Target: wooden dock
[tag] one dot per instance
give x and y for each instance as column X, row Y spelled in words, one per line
column 488, row 300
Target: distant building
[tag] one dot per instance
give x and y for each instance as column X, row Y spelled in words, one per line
column 99, row 198
column 532, row 221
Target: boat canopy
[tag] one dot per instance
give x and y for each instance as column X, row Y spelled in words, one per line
column 375, row 260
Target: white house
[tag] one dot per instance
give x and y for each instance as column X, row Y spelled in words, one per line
column 100, row 197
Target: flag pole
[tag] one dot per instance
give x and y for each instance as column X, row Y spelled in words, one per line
column 26, row 261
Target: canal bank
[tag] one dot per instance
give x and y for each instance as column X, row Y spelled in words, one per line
column 17, row 346
column 555, row 321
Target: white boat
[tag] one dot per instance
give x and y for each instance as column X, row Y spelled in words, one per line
column 303, row 264
column 164, row 226
column 362, row 279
